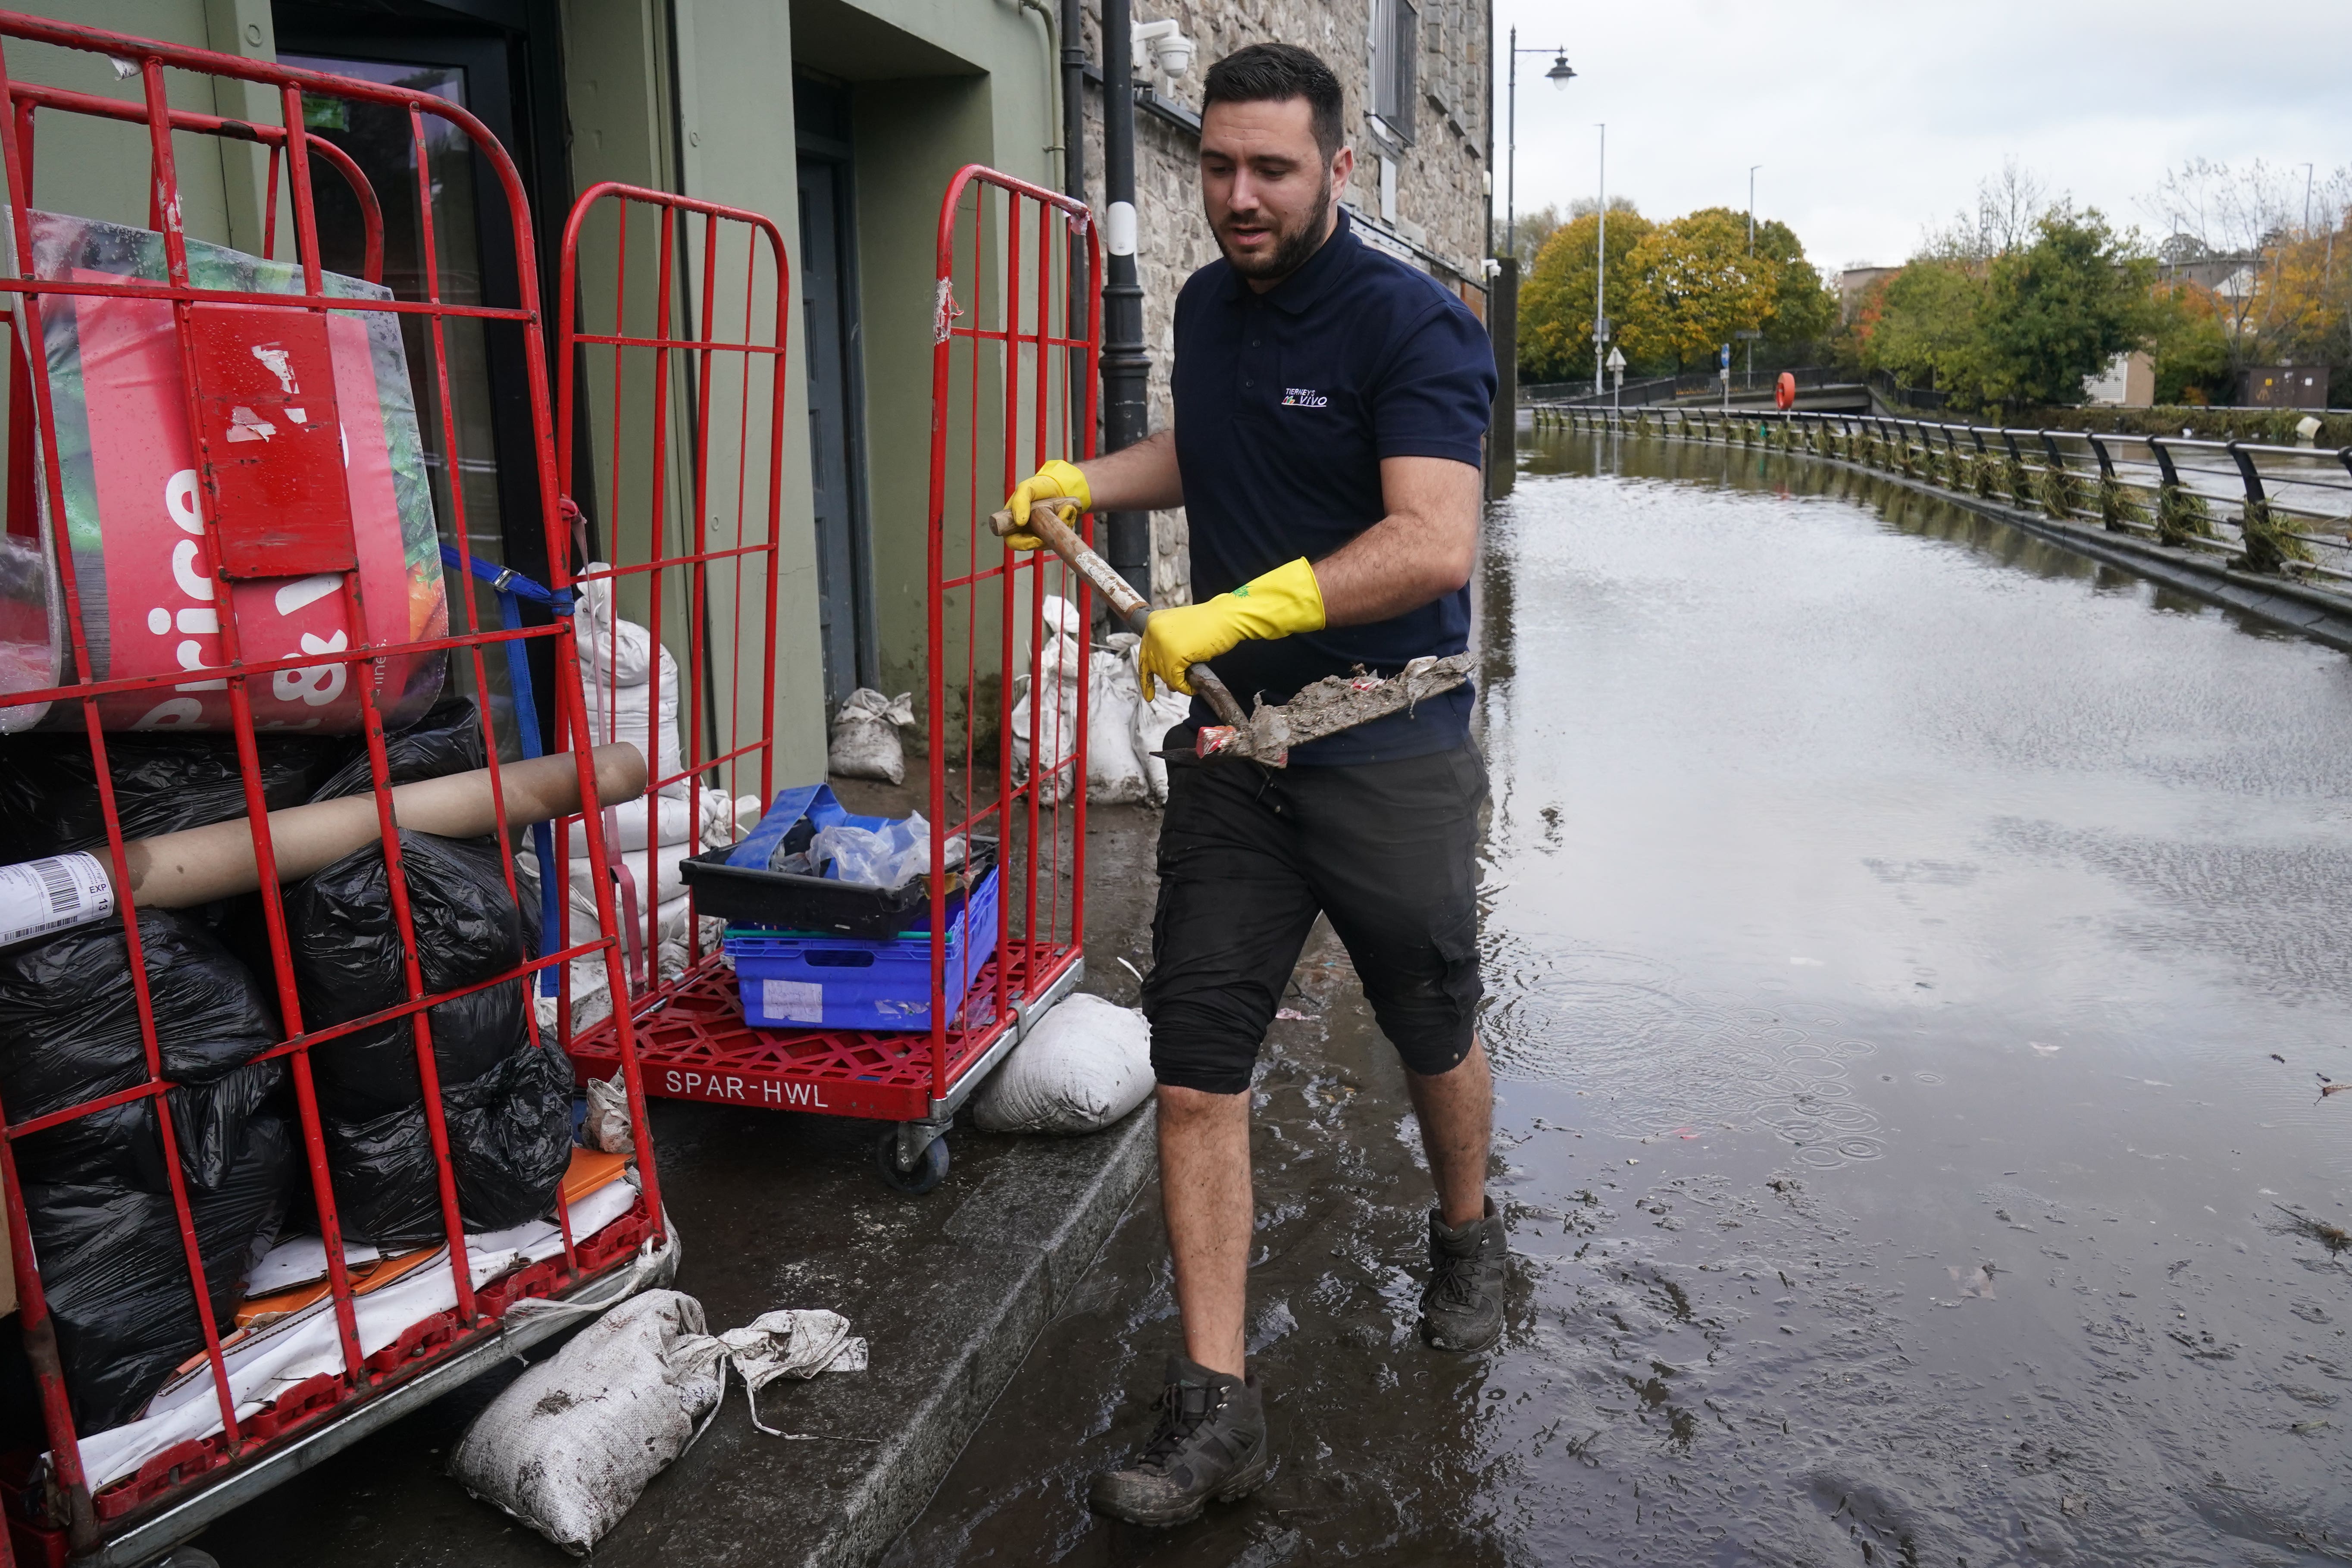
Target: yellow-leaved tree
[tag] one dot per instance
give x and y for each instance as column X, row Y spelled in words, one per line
column 1693, row 285
column 1556, row 299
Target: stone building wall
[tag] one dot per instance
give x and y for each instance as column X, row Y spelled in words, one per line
column 1441, row 193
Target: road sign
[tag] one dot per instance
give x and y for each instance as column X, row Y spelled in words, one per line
column 1616, row 360
column 1747, row 335
column 1601, row 331
column 1724, row 362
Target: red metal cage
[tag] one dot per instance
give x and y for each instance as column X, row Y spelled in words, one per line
column 259, row 514
column 1017, row 327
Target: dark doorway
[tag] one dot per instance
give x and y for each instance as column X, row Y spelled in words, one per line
column 495, row 59
column 837, row 393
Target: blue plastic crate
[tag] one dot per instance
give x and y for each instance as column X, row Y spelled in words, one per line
column 795, row 982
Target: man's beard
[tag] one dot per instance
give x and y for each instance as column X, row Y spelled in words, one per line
column 1291, row 249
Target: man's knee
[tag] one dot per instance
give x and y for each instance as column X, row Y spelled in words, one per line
column 1181, row 1108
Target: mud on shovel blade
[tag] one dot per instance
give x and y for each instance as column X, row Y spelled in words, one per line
column 1327, row 707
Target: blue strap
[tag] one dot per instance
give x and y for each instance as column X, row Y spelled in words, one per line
column 814, row 802
column 512, row 587
column 506, row 581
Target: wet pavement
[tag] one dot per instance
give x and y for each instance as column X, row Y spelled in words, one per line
column 1915, row 957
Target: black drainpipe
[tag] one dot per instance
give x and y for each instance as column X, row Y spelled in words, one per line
column 1126, row 368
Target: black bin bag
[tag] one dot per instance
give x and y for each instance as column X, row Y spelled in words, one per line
column 349, row 962
column 509, row 1144
column 70, row 1033
column 446, row 739
column 116, row 1276
column 163, row 784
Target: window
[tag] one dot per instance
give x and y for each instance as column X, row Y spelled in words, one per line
column 1396, row 44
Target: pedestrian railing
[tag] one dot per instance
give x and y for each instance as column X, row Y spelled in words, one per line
column 2282, row 510
column 1656, row 389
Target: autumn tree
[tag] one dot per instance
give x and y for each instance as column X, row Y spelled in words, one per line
column 1556, row 297
column 1694, row 286
column 1804, row 308
column 2059, row 311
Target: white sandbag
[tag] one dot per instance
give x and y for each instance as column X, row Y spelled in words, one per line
column 607, row 1125
column 1061, row 666
column 571, row 1443
column 1113, row 773
column 660, row 864
column 616, row 672
column 866, row 744
column 1153, row 719
column 720, row 820
column 1085, row 1066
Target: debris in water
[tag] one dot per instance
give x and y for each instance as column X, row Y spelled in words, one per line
column 1123, row 963
column 2278, row 1058
column 1976, row 1282
column 2045, row 1051
column 2328, row 1089
column 1293, row 1015
column 2307, row 1428
column 2331, row 1237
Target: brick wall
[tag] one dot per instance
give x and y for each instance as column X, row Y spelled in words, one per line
column 1441, row 205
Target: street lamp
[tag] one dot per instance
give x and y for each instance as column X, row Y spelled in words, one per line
column 1559, row 76
column 1601, row 276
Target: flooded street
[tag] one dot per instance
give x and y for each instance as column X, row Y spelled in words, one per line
column 1914, row 959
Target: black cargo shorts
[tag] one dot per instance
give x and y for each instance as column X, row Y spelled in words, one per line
column 1250, row 854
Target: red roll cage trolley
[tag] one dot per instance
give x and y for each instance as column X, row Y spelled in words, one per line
column 1016, row 328
column 251, row 365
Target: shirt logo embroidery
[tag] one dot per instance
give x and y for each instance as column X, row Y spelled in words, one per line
column 1303, row 398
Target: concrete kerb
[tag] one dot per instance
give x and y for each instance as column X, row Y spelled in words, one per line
column 2318, row 614
column 1049, row 1209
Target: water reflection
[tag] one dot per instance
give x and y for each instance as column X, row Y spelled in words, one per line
column 1914, row 955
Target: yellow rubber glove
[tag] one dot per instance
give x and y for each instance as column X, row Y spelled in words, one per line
column 1286, row 600
column 1055, row 478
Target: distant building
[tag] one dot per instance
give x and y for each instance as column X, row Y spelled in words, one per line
column 1855, row 282
column 2284, row 386
column 2128, row 381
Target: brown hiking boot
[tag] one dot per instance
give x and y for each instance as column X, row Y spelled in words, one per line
column 1210, row 1442
column 1461, row 1309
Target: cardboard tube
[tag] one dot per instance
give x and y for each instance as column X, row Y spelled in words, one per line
column 174, row 871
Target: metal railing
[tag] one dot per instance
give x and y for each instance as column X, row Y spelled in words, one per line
column 2284, row 511
column 1652, row 390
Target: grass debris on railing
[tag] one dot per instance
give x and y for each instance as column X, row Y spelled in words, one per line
column 2059, row 491
column 2270, row 544
column 2182, row 517
column 2118, row 509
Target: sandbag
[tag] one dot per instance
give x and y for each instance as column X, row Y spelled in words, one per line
column 627, row 692
column 1114, row 776
column 866, row 744
column 1061, row 668
column 348, row 963
column 70, row 1033
column 1085, row 1066
column 1153, row 719
column 49, row 789
column 510, row 1134
column 571, row 1443
column 116, row 1277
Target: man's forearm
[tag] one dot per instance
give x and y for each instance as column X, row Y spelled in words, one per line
column 1422, row 549
column 1142, row 478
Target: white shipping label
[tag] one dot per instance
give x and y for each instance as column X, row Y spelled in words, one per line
column 37, row 897
column 801, row 1001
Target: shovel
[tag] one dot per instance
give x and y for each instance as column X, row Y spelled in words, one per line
column 1327, row 707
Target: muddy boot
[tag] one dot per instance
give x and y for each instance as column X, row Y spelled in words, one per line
column 1461, row 1309
column 1211, row 1444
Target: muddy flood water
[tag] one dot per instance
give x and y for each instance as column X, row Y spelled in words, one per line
column 1914, row 959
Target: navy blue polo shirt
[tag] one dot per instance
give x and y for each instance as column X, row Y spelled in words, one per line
column 1286, row 403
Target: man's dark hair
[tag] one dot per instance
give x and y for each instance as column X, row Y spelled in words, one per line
column 1265, row 73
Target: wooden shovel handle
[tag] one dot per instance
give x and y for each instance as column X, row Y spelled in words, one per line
column 1046, row 522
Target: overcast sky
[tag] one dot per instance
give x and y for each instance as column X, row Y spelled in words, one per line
column 1873, row 120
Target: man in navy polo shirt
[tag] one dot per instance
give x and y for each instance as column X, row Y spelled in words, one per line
column 1330, row 403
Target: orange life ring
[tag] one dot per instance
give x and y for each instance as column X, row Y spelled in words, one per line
column 1784, row 391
